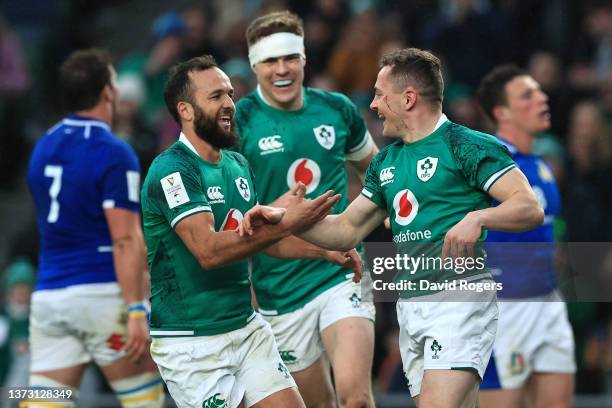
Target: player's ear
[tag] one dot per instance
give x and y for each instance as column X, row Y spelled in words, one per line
column 500, row 113
column 409, row 98
column 109, row 93
column 185, row 111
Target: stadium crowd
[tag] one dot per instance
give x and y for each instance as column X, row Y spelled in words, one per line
column 565, row 45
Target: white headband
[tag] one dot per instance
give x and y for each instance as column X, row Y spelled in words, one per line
column 276, row 45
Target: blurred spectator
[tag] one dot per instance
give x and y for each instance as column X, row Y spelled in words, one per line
column 586, row 190
column 545, row 68
column 167, row 36
column 471, row 37
column 197, row 39
column 19, row 280
column 14, row 84
column 461, row 107
column 241, row 75
column 321, row 22
column 593, row 61
column 129, row 122
column 357, row 49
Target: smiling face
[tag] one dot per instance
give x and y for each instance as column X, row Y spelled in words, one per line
column 281, row 80
column 526, row 105
column 214, row 108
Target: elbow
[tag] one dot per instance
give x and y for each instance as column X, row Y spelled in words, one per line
column 536, row 215
column 210, row 261
column 539, row 216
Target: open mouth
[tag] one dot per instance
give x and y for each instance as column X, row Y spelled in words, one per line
column 283, row 83
column 545, row 114
column 225, row 120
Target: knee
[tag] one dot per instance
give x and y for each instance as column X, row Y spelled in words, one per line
column 355, row 400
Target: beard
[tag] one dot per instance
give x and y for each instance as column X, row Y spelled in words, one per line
column 208, row 129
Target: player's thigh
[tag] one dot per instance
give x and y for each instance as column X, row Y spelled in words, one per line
column 68, row 376
column 349, row 343
column 56, row 350
column 550, row 390
column 501, row 398
column 347, row 330
column 288, row 398
column 297, row 336
column 449, row 389
column 315, row 385
column 437, row 334
column 261, row 371
column 198, row 370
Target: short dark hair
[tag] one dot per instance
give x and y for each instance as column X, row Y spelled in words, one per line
column 492, row 89
column 83, row 76
column 178, row 87
column 420, row 68
column 272, row 23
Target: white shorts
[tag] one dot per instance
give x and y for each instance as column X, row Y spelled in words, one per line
column 298, row 333
column 210, row 371
column 443, row 335
column 534, row 335
column 73, row 325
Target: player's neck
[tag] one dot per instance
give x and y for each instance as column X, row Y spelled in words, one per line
column 98, row 112
column 204, row 150
column 420, row 125
column 522, row 140
column 293, row 105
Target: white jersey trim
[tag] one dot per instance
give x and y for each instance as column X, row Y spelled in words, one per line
column 268, row 312
column 87, row 123
column 108, row 203
column 171, row 332
column 366, row 193
column 443, row 119
column 495, row 176
column 186, row 142
column 187, row 213
column 363, row 149
column 105, row 248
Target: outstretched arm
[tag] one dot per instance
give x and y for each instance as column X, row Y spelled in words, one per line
column 344, row 231
column 215, row 249
column 293, row 247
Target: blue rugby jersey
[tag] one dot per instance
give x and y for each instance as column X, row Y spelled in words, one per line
column 527, row 270
column 78, row 169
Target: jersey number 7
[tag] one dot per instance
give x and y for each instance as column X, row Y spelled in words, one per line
column 55, row 172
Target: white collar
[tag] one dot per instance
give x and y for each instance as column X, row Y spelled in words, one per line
column 440, row 122
column 186, row 142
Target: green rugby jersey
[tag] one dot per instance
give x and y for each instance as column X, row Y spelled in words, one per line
column 428, row 186
column 186, row 299
column 309, row 145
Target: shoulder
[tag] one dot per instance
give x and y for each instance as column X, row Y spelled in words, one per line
column 234, row 156
column 335, row 100
column 173, row 159
column 384, row 153
column 459, row 136
column 245, row 106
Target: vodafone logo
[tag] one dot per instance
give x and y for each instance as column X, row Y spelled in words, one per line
column 305, row 170
column 406, row 207
column 232, row 220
